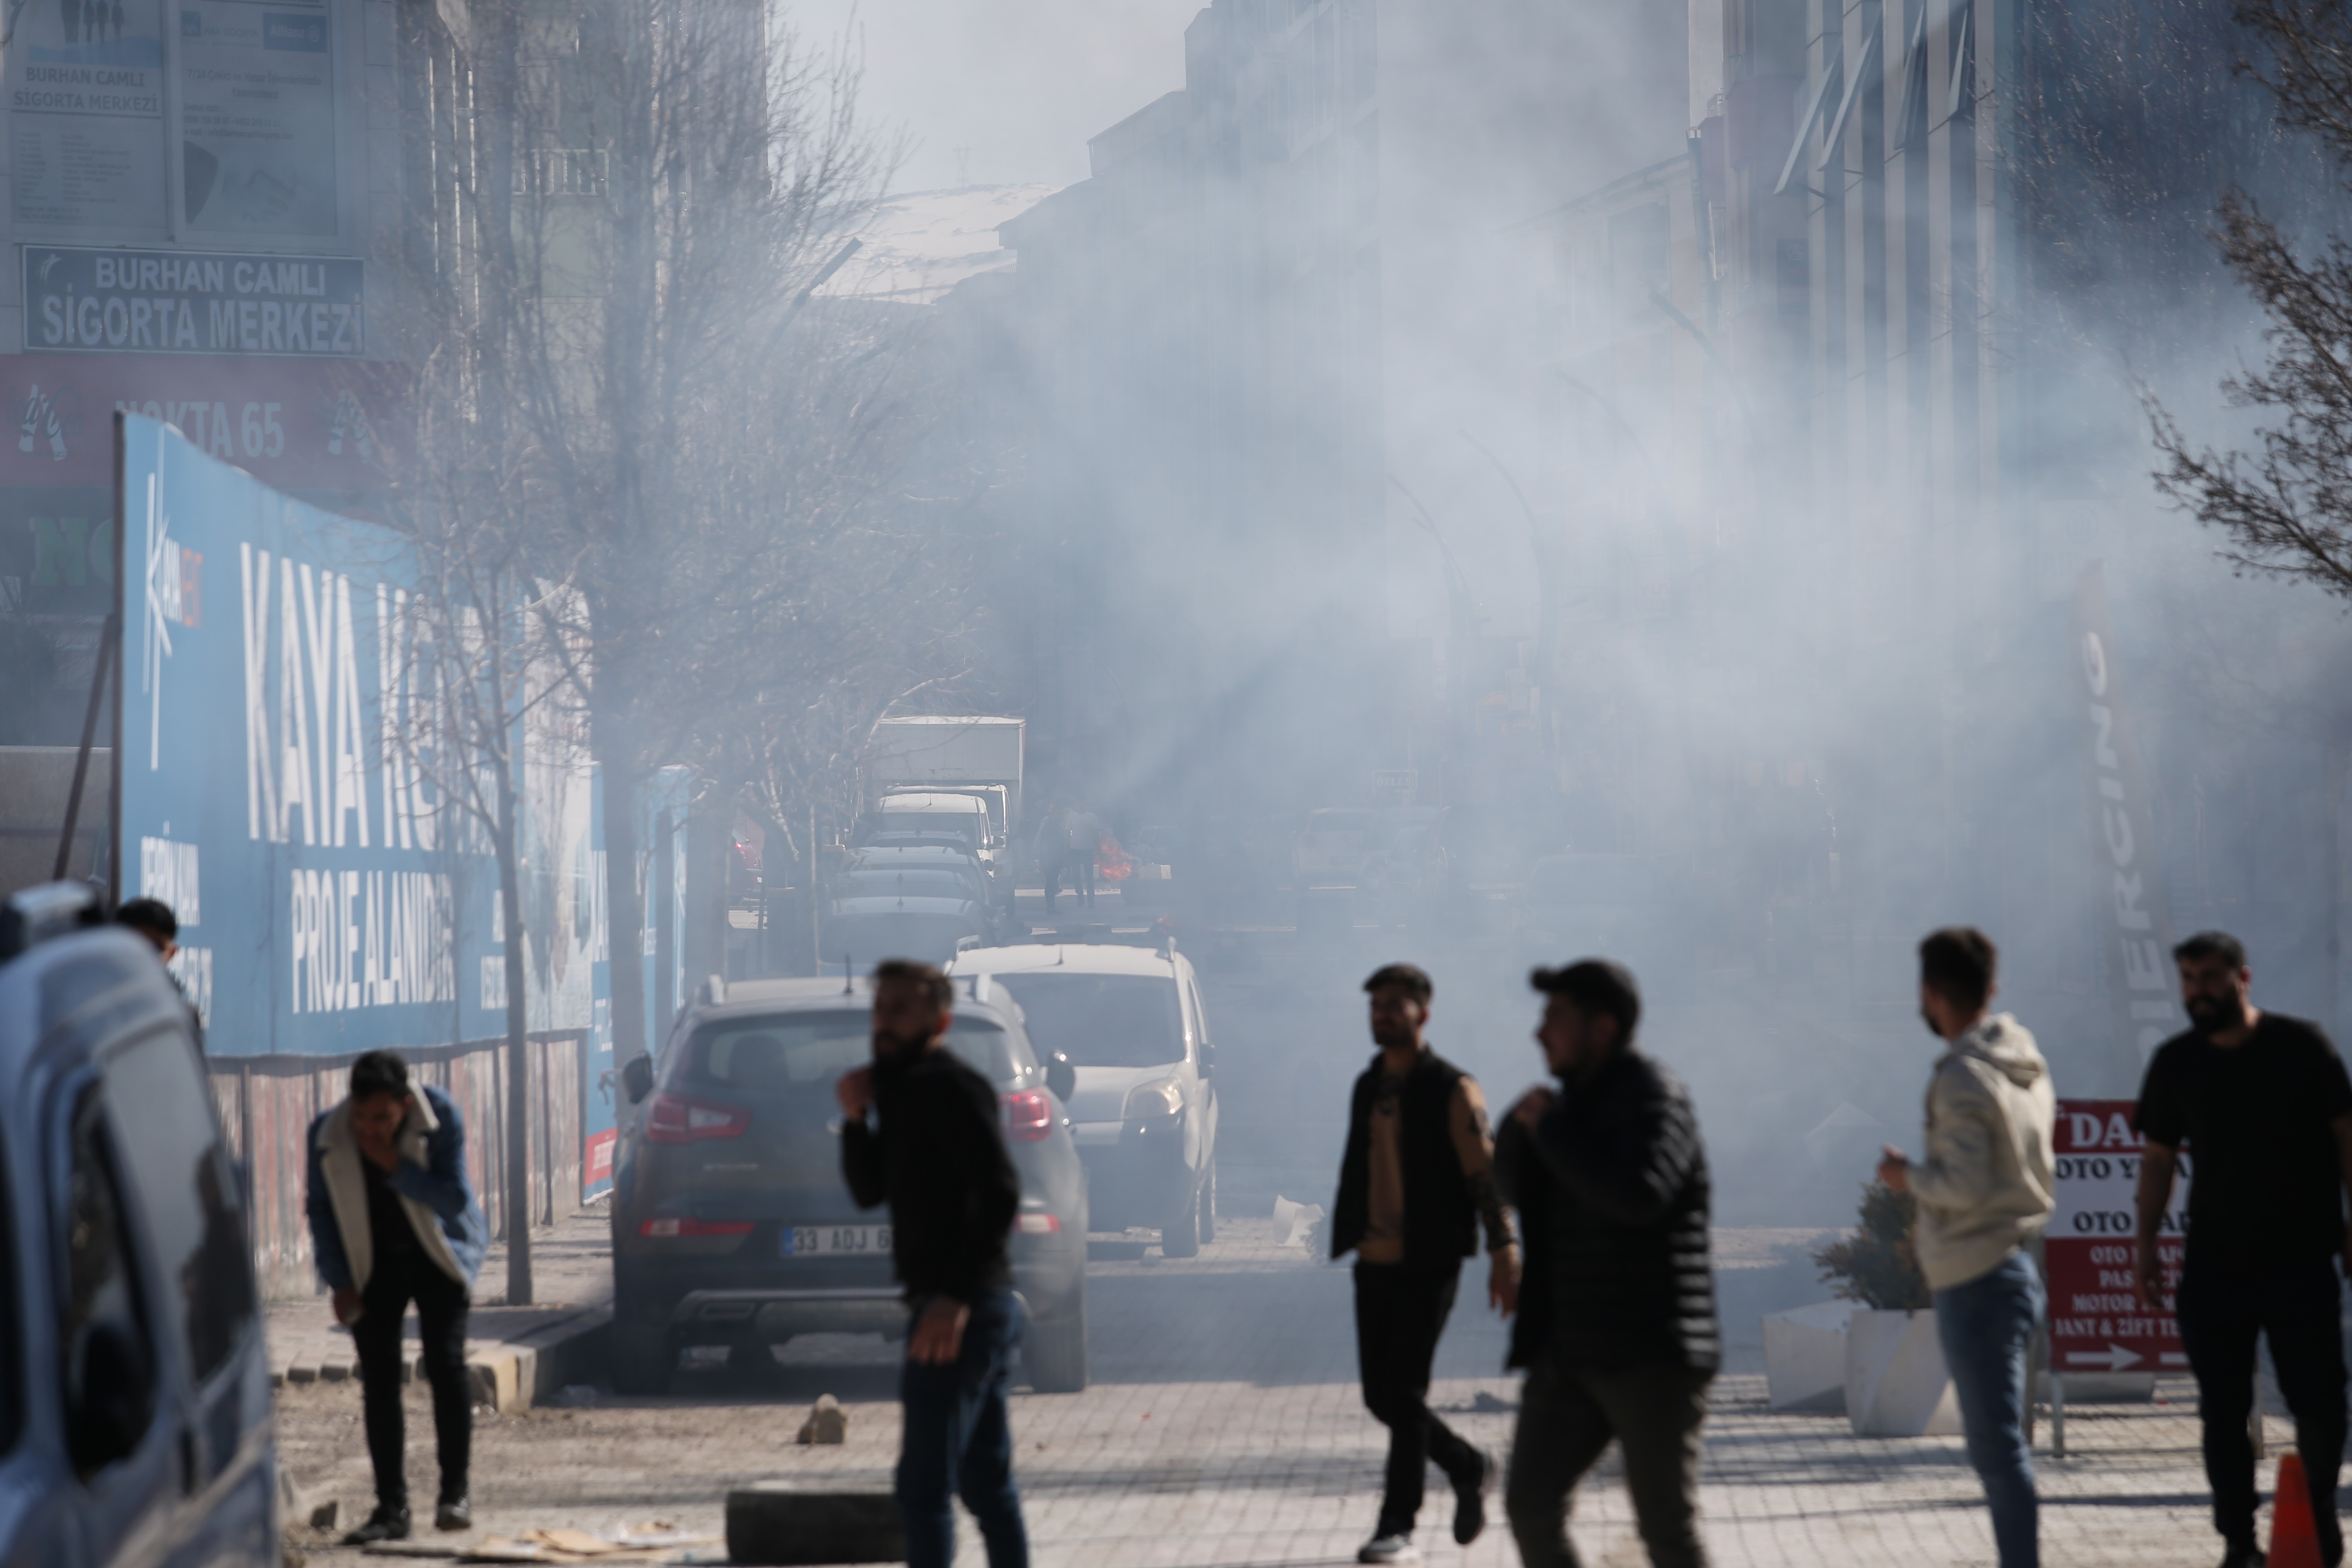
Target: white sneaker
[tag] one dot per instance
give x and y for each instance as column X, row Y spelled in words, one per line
column 1389, row 1548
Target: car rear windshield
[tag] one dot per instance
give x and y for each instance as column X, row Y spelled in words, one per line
column 1341, row 821
column 803, row 1052
column 1101, row 1020
column 930, row 822
column 876, row 883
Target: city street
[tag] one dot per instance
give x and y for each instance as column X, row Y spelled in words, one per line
column 1224, row 1427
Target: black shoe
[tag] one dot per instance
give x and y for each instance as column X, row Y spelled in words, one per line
column 454, row 1513
column 1389, row 1546
column 2243, row 1557
column 1470, row 1501
column 383, row 1524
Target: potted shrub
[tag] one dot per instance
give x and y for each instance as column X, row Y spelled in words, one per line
column 1895, row 1381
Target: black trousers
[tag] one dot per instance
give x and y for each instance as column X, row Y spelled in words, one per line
column 403, row 1277
column 2299, row 1306
column 1567, row 1417
column 1399, row 1313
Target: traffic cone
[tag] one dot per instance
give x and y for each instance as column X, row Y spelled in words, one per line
column 2294, row 1541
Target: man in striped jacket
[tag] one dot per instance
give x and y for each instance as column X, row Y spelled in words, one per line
column 1617, row 1325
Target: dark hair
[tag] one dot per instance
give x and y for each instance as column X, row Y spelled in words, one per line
column 1597, row 986
column 1958, row 963
column 1409, row 978
column 149, row 915
column 379, row 1072
column 907, row 972
column 2218, row 944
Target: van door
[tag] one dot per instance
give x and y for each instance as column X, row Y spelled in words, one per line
column 115, row 1377
column 186, row 1202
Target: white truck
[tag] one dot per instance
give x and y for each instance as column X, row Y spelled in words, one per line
column 950, row 755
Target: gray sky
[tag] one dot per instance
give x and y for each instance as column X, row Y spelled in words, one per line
column 1020, row 83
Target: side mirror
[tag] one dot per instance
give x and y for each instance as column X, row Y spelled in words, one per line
column 1208, row 1059
column 1061, row 1077
column 116, row 1400
column 637, row 1076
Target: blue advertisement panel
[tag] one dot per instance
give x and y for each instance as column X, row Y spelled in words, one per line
column 330, row 899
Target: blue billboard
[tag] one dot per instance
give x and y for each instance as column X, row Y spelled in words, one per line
column 331, row 899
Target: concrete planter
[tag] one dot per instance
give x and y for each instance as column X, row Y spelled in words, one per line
column 1804, row 1357
column 1895, row 1381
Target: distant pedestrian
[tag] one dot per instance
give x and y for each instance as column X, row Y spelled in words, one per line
column 155, row 919
column 1985, row 1186
column 1617, row 1325
column 1415, row 1185
column 1081, row 833
column 935, row 1154
column 394, row 1220
column 1052, row 848
column 2263, row 1103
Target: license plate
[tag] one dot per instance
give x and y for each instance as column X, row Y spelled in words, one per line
column 846, row 1240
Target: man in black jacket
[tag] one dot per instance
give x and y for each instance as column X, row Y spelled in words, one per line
column 937, row 1158
column 1617, row 1327
column 1414, row 1184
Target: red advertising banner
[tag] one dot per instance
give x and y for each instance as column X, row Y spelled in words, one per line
column 2097, row 1323
column 310, row 424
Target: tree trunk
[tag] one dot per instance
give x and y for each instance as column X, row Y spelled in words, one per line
column 518, row 1204
column 626, row 907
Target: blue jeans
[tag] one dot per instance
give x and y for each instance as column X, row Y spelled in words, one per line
column 1986, row 1327
column 958, row 1442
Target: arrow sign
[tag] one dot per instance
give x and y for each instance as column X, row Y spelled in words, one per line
column 2115, row 1357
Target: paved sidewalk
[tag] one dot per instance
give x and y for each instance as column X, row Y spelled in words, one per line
column 573, row 1281
column 1225, row 1427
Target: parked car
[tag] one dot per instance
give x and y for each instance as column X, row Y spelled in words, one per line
column 964, row 866
column 134, row 1387
column 731, row 1224
column 965, row 816
column 921, row 912
column 1145, row 1106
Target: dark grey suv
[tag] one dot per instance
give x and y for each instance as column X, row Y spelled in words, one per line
column 731, row 1224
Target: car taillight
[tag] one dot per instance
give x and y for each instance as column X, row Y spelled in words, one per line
column 1038, row 1224
column 674, row 1119
column 695, row 1227
column 1028, row 1115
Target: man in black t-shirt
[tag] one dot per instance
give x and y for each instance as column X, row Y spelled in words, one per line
column 2263, row 1104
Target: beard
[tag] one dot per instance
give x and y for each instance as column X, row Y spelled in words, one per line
column 1930, row 1019
column 2210, row 1013
column 1391, row 1038
column 893, row 1051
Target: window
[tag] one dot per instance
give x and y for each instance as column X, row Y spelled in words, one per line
column 188, row 1194
column 101, row 1292
column 1101, row 1020
column 894, row 884
column 797, row 1052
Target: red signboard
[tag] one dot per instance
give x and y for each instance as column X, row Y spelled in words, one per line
column 303, row 424
column 2097, row 1323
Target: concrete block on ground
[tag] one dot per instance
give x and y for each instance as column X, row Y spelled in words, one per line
column 815, row 1519
column 1804, row 1357
column 1895, row 1381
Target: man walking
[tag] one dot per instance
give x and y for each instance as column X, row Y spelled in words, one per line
column 394, row 1220
column 1985, row 1188
column 1617, row 1326
column 2262, row 1102
column 937, row 1156
column 1415, row 1183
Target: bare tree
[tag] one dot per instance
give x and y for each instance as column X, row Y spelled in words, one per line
column 2286, row 510
column 634, row 198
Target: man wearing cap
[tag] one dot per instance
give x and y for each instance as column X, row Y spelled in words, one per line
column 1416, row 1183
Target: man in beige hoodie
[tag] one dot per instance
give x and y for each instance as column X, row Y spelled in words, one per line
column 1985, row 1189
